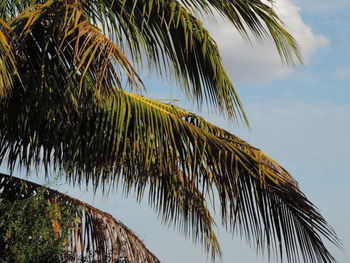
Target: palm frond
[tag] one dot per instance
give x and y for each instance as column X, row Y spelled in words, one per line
column 71, row 45
column 170, row 39
column 97, row 233
column 57, row 120
column 270, row 208
column 266, row 205
column 256, row 17
column 7, row 60
column 138, row 142
column 169, row 35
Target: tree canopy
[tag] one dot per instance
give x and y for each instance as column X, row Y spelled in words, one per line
column 71, row 100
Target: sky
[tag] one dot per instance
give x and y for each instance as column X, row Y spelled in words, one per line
column 299, row 116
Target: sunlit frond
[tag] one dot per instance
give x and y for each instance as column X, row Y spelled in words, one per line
column 7, row 60
column 72, row 46
column 169, row 36
column 96, row 233
column 261, row 203
column 167, row 33
column 138, row 142
column 54, row 118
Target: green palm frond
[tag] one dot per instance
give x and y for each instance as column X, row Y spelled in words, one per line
column 175, row 40
column 264, row 205
column 54, row 117
column 259, row 202
column 168, row 36
column 256, row 17
column 96, row 233
column 138, row 142
column 167, row 33
column 72, row 46
column 7, row 60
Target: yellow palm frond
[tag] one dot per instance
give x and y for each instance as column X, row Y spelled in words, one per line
column 7, row 60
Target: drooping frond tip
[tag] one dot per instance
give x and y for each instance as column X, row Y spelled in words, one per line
column 255, row 17
column 96, row 233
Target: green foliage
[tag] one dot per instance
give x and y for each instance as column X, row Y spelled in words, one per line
column 64, row 107
column 78, row 231
column 27, row 232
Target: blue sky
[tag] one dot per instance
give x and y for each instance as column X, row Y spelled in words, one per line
column 299, row 117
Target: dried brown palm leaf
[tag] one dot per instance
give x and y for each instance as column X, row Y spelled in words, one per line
column 96, row 233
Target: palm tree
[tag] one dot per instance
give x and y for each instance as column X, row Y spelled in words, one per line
column 70, row 100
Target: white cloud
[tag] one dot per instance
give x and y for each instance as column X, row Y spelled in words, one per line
column 261, row 62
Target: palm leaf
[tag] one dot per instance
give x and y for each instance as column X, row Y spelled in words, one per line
column 57, row 120
column 72, row 46
column 7, row 60
column 181, row 45
column 263, row 202
column 269, row 208
column 170, row 39
column 138, row 142
column 97, row 232
column 167, row 34
column 256, row 17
